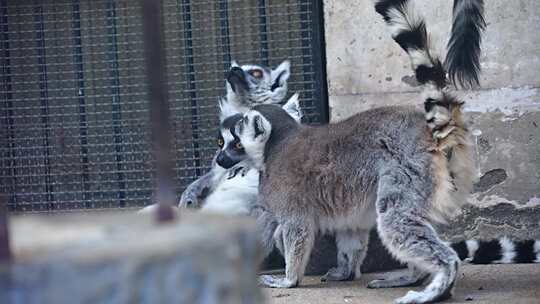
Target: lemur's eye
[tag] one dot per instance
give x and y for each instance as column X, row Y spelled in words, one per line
column 238, row 146
column 220, row 142
column 256, row 73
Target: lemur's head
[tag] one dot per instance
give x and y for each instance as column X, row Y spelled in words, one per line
column 243, row 136
column 254, row 132
column 248, row 85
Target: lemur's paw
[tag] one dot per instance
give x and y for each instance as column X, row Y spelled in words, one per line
column 381, row 283
column 274, row 282
column 418, row 297
column 396, row 282
column 337, row 274
column 189, row 199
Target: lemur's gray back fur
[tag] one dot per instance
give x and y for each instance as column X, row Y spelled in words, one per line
column 299, row 157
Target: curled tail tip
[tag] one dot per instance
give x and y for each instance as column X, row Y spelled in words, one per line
column 463, row 57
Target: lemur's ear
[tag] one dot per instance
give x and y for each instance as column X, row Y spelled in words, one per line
column 261, row 128
column 226, row 109
column 234, row 64
column 292, row 107
column 280, row 75
column 253, row 129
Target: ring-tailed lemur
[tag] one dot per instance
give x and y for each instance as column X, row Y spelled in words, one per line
column 235, row 190
column 246, row 85
column 230, row 191
column 376, row 168
column 311, row 176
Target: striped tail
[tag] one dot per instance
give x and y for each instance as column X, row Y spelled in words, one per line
column 463, row 58
column 498, row 251
column 443, row 111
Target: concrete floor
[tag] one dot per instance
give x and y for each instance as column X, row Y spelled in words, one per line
column 489, row 284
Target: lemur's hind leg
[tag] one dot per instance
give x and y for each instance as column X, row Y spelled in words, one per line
column 298, row 237
column 266, row 227
column 404, row 230
column 351, row 251
column 416, row 277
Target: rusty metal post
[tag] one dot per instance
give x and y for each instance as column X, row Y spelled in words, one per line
column 159, row 107
column 5, row 252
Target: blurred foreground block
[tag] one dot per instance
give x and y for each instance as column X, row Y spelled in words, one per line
column 128, row 258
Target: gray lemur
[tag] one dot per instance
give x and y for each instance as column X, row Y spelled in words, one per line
column 246, row 85
column 378, row 168
column 395, row 168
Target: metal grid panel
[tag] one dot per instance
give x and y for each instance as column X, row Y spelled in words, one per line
column 74, row 113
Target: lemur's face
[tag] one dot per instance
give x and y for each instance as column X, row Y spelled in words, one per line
column 231, row 150
column 248, row 139
column 235, row 132
column 253, row 84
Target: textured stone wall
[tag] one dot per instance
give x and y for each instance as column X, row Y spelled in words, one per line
column 367, row 69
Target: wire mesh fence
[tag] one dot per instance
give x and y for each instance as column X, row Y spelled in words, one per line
column 74, row 112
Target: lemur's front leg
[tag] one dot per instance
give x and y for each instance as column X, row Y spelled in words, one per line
column 298, row 237
column 197, row 191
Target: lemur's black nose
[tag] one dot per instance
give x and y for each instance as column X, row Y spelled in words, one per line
column 225, row 161
column 237, row 79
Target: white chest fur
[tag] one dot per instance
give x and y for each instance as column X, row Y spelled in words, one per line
column 234, row 195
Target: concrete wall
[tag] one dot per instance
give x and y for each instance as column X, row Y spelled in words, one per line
column 367, row 69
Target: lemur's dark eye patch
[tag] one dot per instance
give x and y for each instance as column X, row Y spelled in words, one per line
column 256, row 73
column 220, row 142
column 238, row 128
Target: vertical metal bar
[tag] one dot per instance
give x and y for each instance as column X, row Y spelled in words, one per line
column 192, row 88
column 159, row 107
column 263, row 32
column 225, row 39
column 313, row 56
column 83, row 126
column 319, row 60
column 44, row 97
column 116, row 102
column 5, row 251
column 10, row 165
